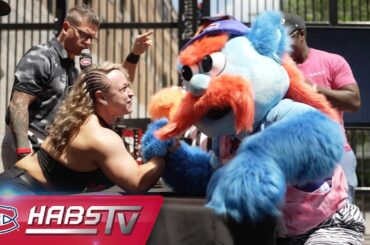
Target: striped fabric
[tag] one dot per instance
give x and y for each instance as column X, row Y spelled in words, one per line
column 196, row 138
column 345, row 227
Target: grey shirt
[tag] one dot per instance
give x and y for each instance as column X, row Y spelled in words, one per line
column 46, row 72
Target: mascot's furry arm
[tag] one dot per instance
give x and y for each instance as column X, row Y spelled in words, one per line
column 187, row 168
column 253, row 184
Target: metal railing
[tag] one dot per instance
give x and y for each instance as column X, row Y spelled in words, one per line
column 330, row 12
column 36, row 21
column 359, row 139
column 326, row 12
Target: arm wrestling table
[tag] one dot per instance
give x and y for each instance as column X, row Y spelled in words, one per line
column 183, row 220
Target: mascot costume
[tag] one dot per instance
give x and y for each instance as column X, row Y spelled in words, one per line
column 275, row 141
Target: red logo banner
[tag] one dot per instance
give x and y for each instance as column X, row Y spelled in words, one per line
column 81, row 220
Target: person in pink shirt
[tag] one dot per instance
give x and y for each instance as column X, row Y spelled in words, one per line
column 330, row 75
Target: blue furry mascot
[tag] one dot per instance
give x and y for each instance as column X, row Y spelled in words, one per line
column 275, row 141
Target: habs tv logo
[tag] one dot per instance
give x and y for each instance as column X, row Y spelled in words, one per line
column 78, row 219
column 8, row 219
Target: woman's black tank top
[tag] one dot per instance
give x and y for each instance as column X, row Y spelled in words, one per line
column 63, row 178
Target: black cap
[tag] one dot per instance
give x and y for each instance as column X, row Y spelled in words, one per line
column 4, row 8
column 294, row 22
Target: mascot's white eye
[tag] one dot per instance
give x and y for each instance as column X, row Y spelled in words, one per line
column 214, row 63
column 187, row 72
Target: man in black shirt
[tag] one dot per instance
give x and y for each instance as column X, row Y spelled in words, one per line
column 42, row 78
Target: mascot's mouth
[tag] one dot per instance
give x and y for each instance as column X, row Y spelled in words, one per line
column 217, row 113
column 224, row 94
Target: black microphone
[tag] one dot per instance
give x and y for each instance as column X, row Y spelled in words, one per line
column 85, row 59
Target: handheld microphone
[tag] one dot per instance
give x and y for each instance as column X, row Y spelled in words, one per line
column 85, row 59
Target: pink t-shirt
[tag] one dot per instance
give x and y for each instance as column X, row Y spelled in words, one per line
column 327, row 70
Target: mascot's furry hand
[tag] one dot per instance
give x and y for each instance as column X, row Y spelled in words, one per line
column 188, row 161
column 151, row 146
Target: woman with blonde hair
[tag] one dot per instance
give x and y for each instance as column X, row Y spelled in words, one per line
column 81, row 144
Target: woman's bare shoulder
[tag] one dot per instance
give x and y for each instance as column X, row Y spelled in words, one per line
column 97, row 136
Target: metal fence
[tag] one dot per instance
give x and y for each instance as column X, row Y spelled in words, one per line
column 36, row 21
column 359, row 139
column 326, row 12
column 122, row 21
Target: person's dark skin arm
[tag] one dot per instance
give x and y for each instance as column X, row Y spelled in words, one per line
column 142, row 43
column 19, row 117
column 347, row 98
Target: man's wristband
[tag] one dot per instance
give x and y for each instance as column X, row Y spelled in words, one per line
column 133, row 58
column 23, row 150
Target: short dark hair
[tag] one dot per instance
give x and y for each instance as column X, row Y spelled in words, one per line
column 294, row 22
column 80, row 13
